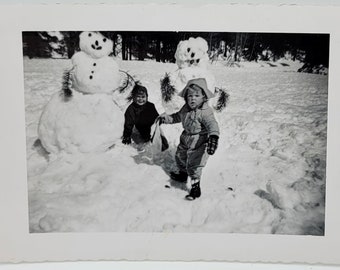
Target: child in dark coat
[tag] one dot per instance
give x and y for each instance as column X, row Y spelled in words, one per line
column 141, row 114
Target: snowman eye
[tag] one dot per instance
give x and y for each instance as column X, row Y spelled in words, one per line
column 90, row 34
column 104, row 39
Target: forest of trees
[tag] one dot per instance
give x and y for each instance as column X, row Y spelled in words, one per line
column 312, row 49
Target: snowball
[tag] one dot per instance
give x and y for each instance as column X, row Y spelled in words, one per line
column 284, row 196
column 48, row 223
column 95, row 44
column 85, row 123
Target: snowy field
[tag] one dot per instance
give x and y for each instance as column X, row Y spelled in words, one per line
column 267, row 176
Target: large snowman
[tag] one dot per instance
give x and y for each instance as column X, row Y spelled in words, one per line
column 84, row 117
column 192, row 61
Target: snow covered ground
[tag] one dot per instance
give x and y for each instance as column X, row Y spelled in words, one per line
column 267, row 176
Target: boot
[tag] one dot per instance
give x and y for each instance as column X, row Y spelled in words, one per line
column 195, row 192
column 179, row 177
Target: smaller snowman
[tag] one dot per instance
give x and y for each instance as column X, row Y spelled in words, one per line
column 84, row 117
column 192, row 60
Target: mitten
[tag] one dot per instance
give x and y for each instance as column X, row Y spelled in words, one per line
column 212, row 144
column 165, row 119
column 126, row 140
column 160, row 120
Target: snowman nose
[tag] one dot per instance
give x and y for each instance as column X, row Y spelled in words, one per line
column 96, row 43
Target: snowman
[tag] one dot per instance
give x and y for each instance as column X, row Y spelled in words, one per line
column 83, row 117
column 192, row 60
column 93, row 70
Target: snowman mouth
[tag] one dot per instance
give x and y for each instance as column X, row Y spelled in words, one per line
column 96, row 48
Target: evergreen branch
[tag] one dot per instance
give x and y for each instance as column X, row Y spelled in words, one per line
column 130, row 97
column 128, row 82
column 67, row 92
column 167, row 89
column 223, row 99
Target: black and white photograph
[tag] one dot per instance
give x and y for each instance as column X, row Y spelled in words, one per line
column 119, row 141
column 189, row 133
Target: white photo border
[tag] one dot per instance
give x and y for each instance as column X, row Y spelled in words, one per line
column 18, row 245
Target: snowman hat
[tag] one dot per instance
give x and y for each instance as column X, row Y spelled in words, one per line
column 201, row 83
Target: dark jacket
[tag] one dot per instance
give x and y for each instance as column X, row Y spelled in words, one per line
column 142, row 117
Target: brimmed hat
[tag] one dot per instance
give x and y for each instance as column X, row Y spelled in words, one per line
column 200, row 82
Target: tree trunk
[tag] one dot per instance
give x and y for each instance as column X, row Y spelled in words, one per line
column 236, row 47
column 130, row 47
column 158, row 50
column 142, row 47
column 124, row 55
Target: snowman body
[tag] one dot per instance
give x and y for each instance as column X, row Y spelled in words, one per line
column 85, row 123
column 89, row 121
column 92, row 76
column 192, row 61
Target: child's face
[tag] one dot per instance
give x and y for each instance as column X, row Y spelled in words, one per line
column 195, row 97
column 141, row 99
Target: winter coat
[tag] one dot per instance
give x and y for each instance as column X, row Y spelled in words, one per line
column 140, row 116
column 198, row 121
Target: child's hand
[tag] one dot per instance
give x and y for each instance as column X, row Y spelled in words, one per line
column 160, row 120
column 164, row 119
column 212, row 144
column 126, row 140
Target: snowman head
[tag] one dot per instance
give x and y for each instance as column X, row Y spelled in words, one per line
column 95, row 44
column 192, row 53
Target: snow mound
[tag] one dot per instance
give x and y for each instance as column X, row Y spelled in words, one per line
column 86, row 123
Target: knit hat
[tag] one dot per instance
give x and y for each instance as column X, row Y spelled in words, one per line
column 200, row 82
column 138, row 89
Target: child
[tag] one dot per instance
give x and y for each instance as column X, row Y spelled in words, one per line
column 140, row 114
column 200, row 136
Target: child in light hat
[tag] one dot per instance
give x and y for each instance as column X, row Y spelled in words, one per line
column 200, row 136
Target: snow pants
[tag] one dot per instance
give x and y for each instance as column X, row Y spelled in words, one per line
column 140, row 136
column 191, row 155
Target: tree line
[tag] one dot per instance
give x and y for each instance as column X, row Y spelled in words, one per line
column 312, row 49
